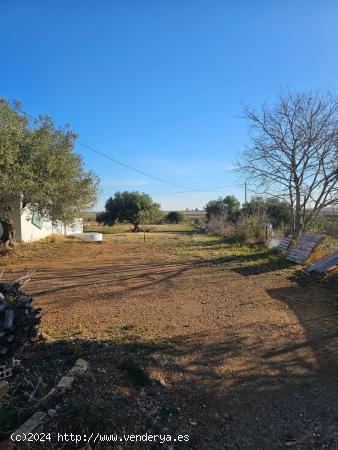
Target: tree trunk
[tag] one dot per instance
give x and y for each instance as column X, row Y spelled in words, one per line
column 8, row 234
column 298, row 226
column 136, row 226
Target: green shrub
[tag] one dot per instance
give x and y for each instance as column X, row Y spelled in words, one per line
column 174, row 217
column 198, row 223
column 249, row 228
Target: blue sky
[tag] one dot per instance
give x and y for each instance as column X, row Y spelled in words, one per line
column 160, row 84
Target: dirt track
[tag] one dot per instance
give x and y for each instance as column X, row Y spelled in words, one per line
column 253, row 361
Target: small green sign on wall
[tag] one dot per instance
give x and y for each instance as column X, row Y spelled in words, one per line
column 37, row 220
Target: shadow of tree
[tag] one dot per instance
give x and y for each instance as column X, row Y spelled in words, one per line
column 264, row 267
column 232, row 389
column 248, row 385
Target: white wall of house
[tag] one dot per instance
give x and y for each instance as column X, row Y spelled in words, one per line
column 30, row 232
column 73, row 228
column 26, row 231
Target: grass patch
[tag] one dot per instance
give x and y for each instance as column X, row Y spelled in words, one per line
column 205, row 247
column 125, row 334
column 104, row 229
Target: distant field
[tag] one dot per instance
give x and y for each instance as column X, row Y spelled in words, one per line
column 126, row 228
column 120, row 228
column 90, row 217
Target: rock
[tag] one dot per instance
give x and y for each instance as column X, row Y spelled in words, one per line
column 192, row 422
column 51, row 412
column 123, row 391
column 4, row 387
column 30, row 425
column 82, row 363
column 65, row 383
column 80, row 367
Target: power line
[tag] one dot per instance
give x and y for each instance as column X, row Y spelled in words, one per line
column 212, row 190
column 209, row 190
column 123, row 164
column 117, row 161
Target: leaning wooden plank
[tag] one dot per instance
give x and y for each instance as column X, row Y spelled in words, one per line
column 304, row 247
column 284, row 243
column 321, row 266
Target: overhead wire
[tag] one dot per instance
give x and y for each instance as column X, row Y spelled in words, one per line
column 128, row 166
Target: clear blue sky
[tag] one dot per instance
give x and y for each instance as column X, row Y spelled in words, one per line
column 160, row 84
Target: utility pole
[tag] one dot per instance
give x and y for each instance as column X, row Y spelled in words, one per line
column 245, row 192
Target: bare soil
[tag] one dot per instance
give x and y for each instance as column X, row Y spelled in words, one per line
column 187, row 334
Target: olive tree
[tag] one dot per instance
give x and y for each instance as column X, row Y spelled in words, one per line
column 227, row 208
column 293, row 153
column 272, row 209
column 174, row 217
column 39, row 168
column 133, row 207
column 215, row 208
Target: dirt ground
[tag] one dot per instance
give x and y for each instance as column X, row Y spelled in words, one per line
column 238, row 354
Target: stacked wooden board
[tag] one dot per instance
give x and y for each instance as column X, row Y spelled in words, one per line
column 284, row 243
column 304, row 247
column 321, row 266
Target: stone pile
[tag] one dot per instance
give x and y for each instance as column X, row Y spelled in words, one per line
column 19, row 320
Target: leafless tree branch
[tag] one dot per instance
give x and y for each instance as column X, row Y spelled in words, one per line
column 294, row 152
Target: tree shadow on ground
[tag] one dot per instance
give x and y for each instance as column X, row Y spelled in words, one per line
column 258, row 269
column 244, row 386
column 236, row 388
column 134, row 275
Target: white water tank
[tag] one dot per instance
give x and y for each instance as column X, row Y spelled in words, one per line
column 90, row 236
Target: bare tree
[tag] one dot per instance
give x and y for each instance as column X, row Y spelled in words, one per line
column 293, row 155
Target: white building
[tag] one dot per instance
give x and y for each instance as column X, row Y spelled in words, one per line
column 32, row 227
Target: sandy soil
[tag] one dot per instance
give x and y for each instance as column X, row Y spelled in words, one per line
column 247, row 357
